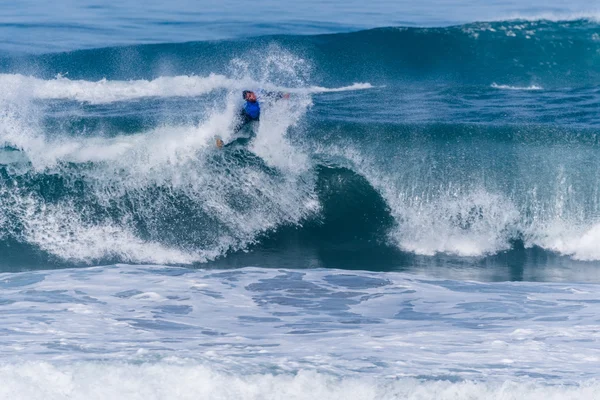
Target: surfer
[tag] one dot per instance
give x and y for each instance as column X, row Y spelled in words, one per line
column 249, row 116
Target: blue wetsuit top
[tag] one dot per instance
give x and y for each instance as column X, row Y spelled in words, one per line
column 252, row 110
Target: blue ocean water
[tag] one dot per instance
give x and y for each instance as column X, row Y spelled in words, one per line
column 33, row 26
column 419, row 220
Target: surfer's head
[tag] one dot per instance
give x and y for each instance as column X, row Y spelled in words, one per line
column 249, row 95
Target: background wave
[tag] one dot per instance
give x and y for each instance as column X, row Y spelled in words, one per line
column 515, row 52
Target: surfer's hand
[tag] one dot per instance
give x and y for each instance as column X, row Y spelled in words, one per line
column 219, row 143
column 285, row 95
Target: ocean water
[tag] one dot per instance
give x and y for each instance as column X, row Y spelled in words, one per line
column 419, row 220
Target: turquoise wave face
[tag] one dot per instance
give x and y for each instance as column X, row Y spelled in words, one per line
column 468, row 145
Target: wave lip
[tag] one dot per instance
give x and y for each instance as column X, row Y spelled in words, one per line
column 509, row 87
column 354, row 86
column 591, row 16
column 108, row 91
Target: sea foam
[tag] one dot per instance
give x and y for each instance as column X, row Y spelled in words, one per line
column 46, row 381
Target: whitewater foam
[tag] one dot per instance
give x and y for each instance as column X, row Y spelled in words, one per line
column 580, row 243
column 260, row 321
column 469, row 224
column 175, row 379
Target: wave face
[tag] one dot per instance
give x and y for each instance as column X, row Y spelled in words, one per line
column 397, row 146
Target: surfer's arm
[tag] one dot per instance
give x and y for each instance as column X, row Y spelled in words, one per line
column 275, row 95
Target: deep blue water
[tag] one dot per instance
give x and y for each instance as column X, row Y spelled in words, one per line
column 420, row 219
column 34, row 26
